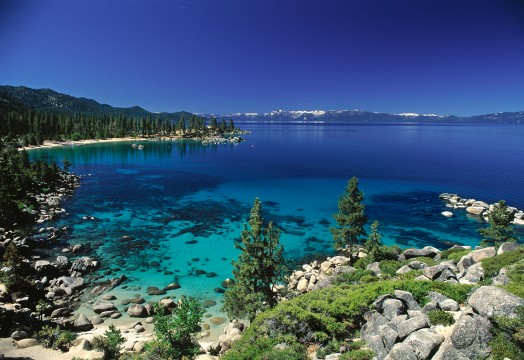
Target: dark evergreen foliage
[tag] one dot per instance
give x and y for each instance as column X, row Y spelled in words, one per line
column 20, row 179
column 350, row 218
column 260, row 266
column 499, row 229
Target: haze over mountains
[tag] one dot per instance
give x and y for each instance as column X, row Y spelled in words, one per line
column 47, row 100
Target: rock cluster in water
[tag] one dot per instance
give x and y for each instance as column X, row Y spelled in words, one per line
column 477, row 207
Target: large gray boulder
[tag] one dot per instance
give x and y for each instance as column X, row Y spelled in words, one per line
column 484, row 253
column 136, row 310
column 401, row 351
column 428, row 251
column 102, row 306
column 507, row 247
column 373, row 321
column 82, row 323
column 502, row 278
column 424, row 342
column 388, row 336
column 412, row 324
column 469, row 339
column 407, row 299
column 433, row 272
column 392, row 308
column 492, row 301
column 473, row 274
column 64, row 311
column 73, row 282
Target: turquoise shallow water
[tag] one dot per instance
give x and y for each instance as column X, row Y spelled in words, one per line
column 184, row 204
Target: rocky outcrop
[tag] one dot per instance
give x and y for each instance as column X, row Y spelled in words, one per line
column 469, row 339
column 478, row 208
column 491, row 301
column 398, row 329
column 318, row 275
column 427, row 251
column 232, row 333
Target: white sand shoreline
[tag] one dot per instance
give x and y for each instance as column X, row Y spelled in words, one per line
column 51, row 144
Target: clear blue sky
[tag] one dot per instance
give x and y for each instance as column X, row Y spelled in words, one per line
column 460, row 57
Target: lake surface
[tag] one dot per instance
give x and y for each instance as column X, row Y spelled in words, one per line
column 184, row 203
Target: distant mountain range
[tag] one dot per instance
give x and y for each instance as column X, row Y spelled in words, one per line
column 47, row 100
column 361, row 116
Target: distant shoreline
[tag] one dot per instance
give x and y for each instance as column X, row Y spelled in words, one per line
column 51, row 144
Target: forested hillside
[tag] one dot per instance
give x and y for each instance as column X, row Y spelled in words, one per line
column 30, row 117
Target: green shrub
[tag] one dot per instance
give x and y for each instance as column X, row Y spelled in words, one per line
column 426, row 260
column 516, row 275
column 64, row 340
column 352, row 277
column 331, row 347
column 362, row 263
column 109, row 343
column 508, row 341
column 440, row 317
column 174, row 331
column 368, row 278
column 503, row 348
column 493, row 265
column 336, row 312
column 356, row 344
column 263, row 349
column 390, row 267
column 56, row 338
column 454, row 254
column 358, row 355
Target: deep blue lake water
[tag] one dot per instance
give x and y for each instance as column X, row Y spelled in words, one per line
column 185, row 203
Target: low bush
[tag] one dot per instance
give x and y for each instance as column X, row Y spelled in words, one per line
column 264, row 349
column 454, row 254
column 390, row 267
column 352, row 277
column 426, row 260
column 493, row 265
column 175, row 331
column 331, row 347
column 358, row 355
column 440, row 317
column 331, row 313
column 508, row 341
column 109, row 343
column 516, row 275
column 56, row 338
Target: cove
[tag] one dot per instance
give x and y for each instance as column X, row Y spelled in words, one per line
column 173, row 211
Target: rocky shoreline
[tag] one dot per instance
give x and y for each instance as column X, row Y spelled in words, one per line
column 66, row 285
column 477, row 207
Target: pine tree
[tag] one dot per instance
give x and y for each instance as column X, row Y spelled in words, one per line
column 499, row 230
column 373, row 244
column 350, row 218
column 13, row 261
column 260, row 266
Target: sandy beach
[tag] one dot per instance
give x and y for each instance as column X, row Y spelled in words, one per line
column 50, row 144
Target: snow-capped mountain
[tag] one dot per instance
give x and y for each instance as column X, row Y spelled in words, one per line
column 362, row 116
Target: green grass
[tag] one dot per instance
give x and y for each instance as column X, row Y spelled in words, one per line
column 493, row 265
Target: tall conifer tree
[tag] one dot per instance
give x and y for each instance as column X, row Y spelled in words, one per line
column 259, row 267
column 350, row 218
